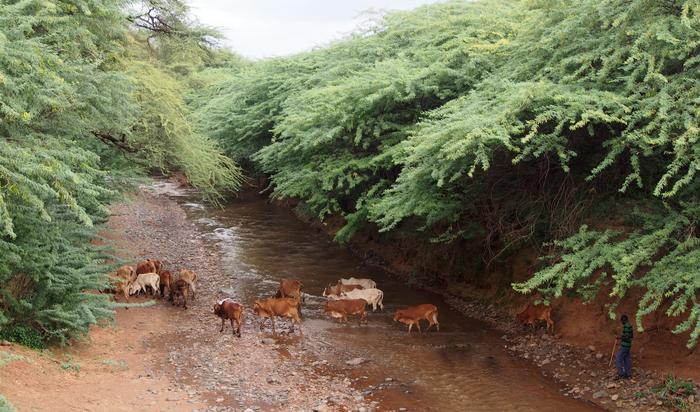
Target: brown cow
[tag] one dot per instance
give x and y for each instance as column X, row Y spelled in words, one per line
column 413, row 315
column 180, row 288
column 166, row 280
column 340, row 309
column 336, row 290
column 282, row 307
column 228, row 309
column 149, row 266
column 121, row 281
column 534, row 313
column 191, row 278
column 290, row 288
column 127, row 272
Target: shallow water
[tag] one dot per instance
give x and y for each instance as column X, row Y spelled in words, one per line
column 464, row 367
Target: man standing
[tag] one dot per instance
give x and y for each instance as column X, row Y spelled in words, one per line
column 623, row 362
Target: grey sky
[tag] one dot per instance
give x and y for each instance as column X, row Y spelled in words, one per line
column 265, row 28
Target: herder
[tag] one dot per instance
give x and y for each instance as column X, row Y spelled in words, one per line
column 623, row 362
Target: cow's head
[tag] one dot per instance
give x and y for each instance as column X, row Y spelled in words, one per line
column 257, row 308
column 331, row 290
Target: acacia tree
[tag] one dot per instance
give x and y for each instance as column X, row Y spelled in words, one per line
column 59, row 86
column 72, row 105
column 504, row 123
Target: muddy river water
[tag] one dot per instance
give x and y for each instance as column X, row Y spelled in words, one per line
column 464, row 367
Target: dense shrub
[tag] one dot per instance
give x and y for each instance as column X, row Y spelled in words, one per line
column 515, row 122
column 76, row 117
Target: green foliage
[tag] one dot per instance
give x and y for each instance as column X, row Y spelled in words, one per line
column 326, row 124
column 77, row 114
column 58, row 86
column 165, row 136
column 662, row 246
column 5, row 405
column 24, row 336
column 515, row 122
column 674, row 392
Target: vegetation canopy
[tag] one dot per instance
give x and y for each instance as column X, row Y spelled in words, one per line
column 566, row 126
column 87, row 97
column 570, row 126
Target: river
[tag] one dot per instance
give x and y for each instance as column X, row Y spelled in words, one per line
column 463, row 367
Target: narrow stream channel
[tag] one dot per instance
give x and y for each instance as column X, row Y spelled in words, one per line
column 464, row 367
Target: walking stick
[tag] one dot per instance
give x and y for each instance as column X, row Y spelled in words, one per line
column 612, row 353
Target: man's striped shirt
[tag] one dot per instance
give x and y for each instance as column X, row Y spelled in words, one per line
column 627, row 334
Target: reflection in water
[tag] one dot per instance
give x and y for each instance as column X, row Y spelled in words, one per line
column 462, row 367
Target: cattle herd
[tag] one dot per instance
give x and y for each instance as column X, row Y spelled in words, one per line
column 150, row 274
column 349, row 297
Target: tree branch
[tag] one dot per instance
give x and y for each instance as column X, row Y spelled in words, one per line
column 120, row 142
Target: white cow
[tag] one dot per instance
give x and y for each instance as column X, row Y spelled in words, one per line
column 365, row 283
column 373, row 297
column 143, row 280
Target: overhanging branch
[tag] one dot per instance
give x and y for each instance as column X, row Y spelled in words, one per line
column 119, row 142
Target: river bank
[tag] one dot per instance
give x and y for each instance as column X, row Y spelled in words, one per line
column 666, row 380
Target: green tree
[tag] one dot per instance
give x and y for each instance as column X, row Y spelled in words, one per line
column 74, row 100
column 517, row 123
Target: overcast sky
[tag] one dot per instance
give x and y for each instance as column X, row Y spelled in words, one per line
column 265, row 28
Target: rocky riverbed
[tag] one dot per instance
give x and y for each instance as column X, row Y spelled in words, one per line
column 258, row 371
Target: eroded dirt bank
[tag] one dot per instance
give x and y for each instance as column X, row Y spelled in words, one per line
column 577, row 356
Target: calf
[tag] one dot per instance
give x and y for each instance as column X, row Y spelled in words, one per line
column 182, row 289
column 365, row 283
column 228, row 309
column 413, row 315
column 166, row 280
column 282, row 307
column 191, row 278
column 534, row 313
column 374, row 297
column 144, row 280
column 338, row 289
column 340, row 309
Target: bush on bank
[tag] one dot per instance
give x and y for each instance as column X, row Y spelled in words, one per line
column 568, row 125
column 78, row 111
